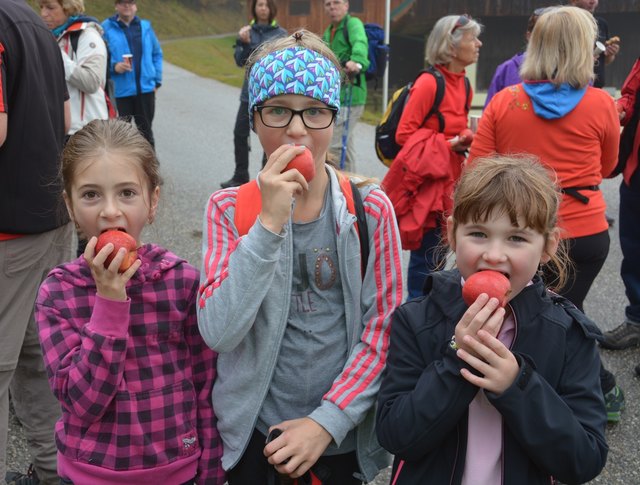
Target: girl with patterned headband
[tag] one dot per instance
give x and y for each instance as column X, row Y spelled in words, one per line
column 296, row 309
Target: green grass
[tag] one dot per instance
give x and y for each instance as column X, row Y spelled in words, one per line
column 211, row 58
column 174, row 19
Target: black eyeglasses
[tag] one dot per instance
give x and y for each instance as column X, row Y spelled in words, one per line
column 281, row 116
column 461, row 22
column 126, row 2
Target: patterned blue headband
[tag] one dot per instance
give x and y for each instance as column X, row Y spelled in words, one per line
column 294, row 70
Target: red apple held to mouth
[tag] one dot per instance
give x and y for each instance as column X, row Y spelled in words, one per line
column 494, row 284
column 304, row 164
column 466, row 136
column 119, row 239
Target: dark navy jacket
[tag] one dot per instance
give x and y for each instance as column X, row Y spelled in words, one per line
column 553, row 415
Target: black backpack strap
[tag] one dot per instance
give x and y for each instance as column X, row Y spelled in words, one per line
column 345, row 31
column 467, row 89
column 73, row 38
column 363, row 229
column 435, row 108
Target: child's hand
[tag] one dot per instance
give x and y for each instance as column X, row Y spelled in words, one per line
column 485, row 313
column 278, row 188
column 300, row 445
column 492, row 359
column 109, row 283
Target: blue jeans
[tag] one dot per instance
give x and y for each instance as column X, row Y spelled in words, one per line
column 629, row 230
column 423, row 261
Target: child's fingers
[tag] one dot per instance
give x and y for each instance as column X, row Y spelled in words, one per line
column 131, row 270
column 494, row 323
column 103, row 254
column 282, row 156
column 115, row 263
column 474, row 309
column 493, row 344
column 89, row 250
column 472, row 359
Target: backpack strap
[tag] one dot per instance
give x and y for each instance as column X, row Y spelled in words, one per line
column 74, row 36
column 435, row 108
column 467, row 89
column 249, row 205
column 345, row 31
column 356, row 207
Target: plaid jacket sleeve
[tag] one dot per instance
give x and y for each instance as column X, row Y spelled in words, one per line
column 203, row 365
column 85, row 365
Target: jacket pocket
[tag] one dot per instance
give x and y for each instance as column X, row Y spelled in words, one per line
column 143, row 430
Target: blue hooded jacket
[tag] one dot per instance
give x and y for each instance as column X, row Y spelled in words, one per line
column 147, row 57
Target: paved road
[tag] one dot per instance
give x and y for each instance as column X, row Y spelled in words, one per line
column 193, row 129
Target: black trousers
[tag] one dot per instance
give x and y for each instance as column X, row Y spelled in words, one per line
column 241, row 133
column 588, row 255
column 254, row 468
column 141, row 109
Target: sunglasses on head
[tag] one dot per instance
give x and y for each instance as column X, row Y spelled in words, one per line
column 461, row 22
column 539, row 11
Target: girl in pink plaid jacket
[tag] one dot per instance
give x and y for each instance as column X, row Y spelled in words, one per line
column 122, row 349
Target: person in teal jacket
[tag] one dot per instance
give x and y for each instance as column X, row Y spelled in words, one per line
column 135, row 66
column 353, row 53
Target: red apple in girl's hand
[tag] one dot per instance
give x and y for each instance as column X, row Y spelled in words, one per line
column 119, row 239
column 466, row 136
column 304, row 164
column 494, row 284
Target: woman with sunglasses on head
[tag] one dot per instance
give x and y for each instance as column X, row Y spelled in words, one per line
column 433, row 145
column 298, row 313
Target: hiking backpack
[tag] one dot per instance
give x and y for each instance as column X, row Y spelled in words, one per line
column 385, row 136
column 109, row 89
column 378, row 50
column 249, row 204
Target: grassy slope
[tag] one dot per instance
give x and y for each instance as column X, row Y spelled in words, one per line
column 171, row 18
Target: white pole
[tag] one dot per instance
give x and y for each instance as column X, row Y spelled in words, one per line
column 387, row 35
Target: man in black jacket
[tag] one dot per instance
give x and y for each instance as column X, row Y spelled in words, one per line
column 35, row 232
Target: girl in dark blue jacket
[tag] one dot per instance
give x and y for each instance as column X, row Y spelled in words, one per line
column 485, row 394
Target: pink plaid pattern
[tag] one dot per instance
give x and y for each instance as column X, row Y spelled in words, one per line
column 140, row 399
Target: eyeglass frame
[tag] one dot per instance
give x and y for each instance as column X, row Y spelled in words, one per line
column 462, row 20
column 299, row 112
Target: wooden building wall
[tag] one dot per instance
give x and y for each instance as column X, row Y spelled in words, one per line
column 310, row 14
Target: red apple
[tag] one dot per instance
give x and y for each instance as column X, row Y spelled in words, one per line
column 494, row 284
column 304, row 164
column 466, row 136
column 119, row 239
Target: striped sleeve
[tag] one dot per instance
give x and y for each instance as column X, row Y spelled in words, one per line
column 236, row 273
column 3, row 81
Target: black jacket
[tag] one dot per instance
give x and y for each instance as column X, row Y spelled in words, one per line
column 553, row 415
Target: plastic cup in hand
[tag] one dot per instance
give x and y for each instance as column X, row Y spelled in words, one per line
column 127, row 59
